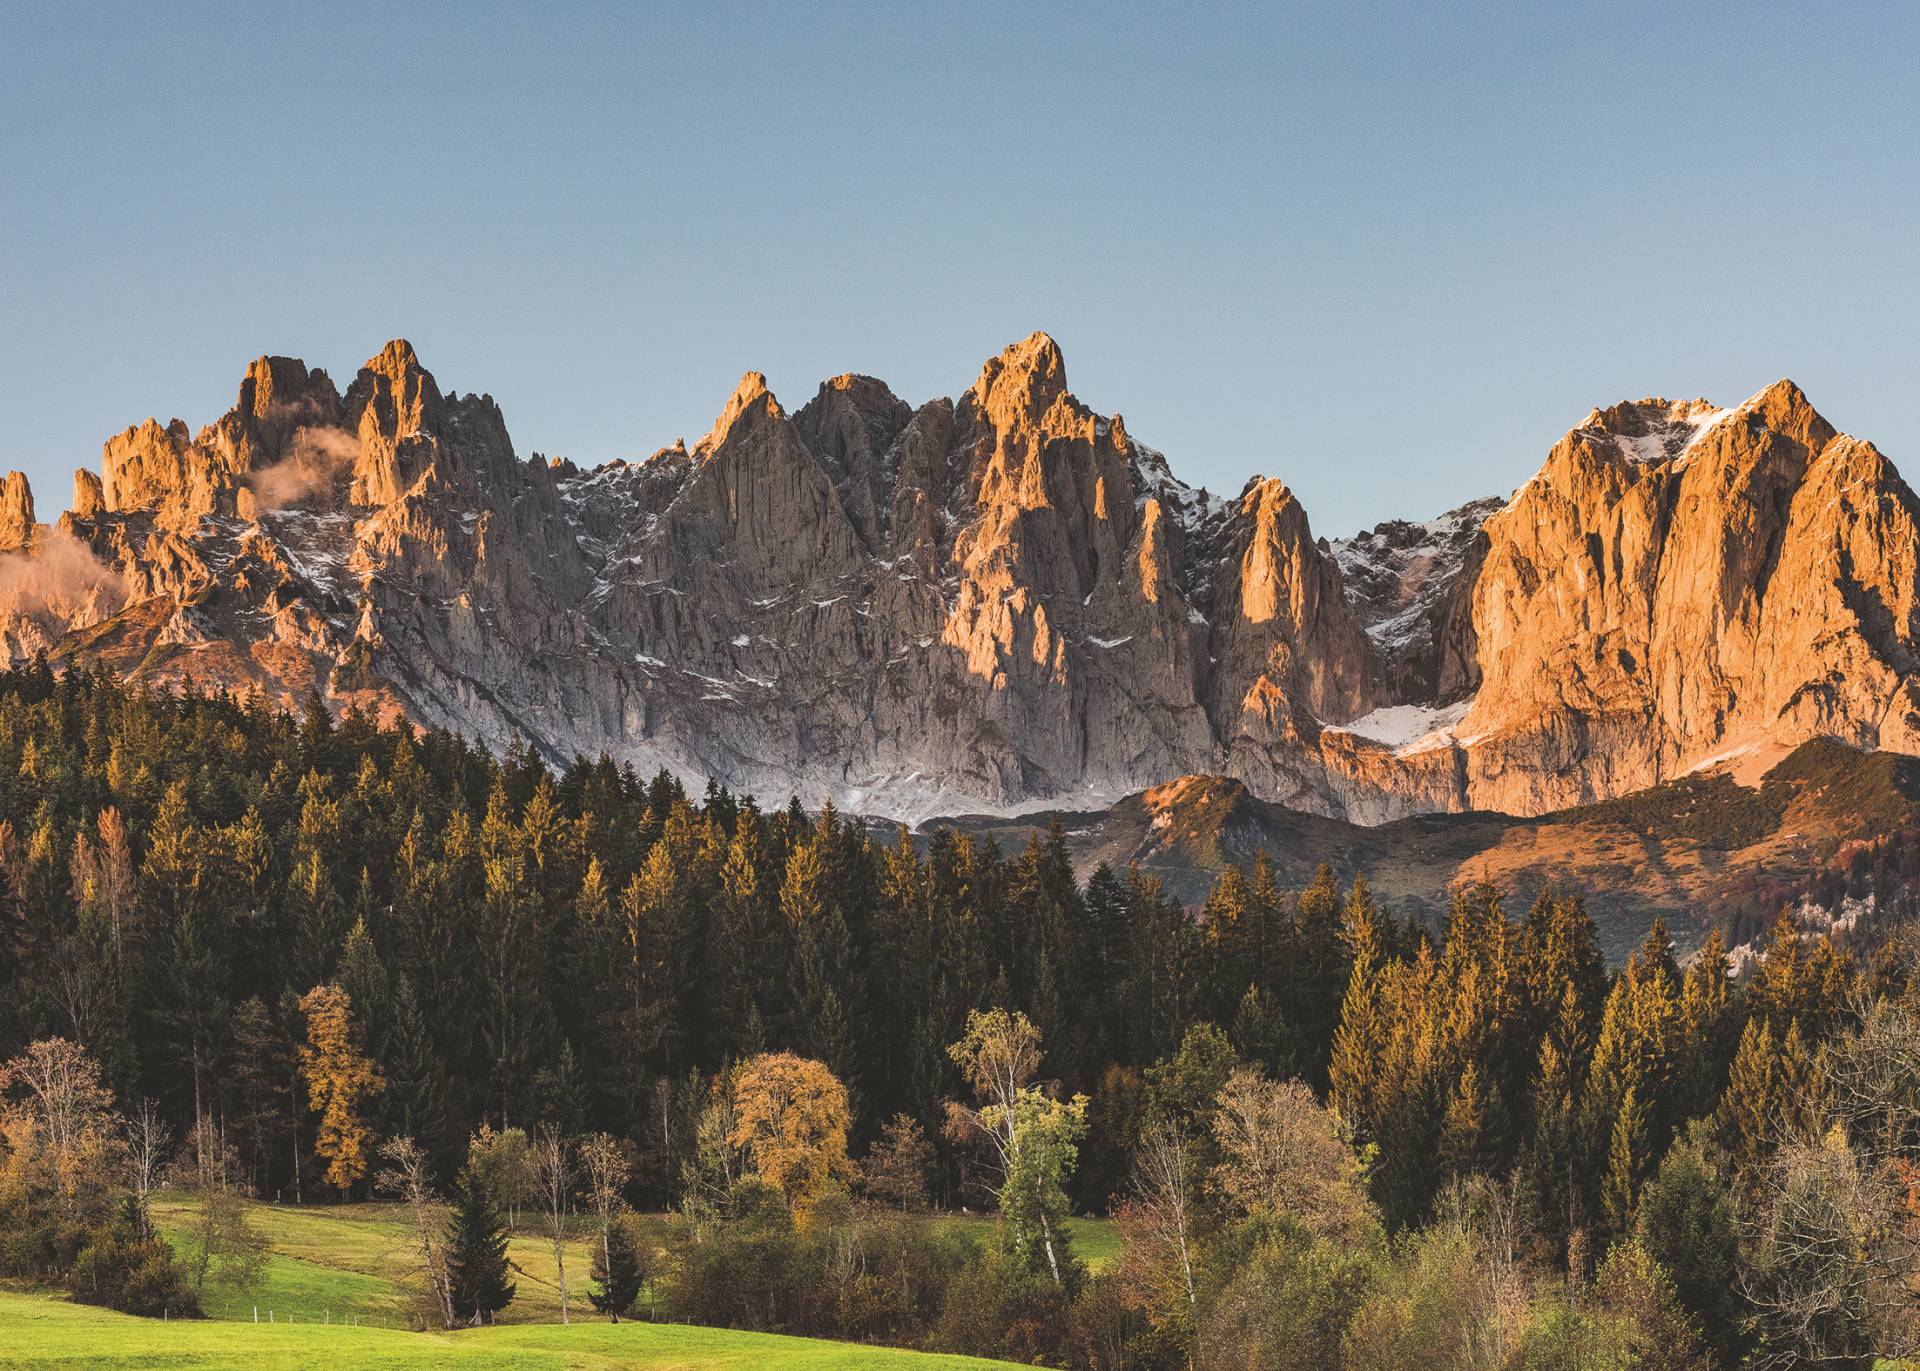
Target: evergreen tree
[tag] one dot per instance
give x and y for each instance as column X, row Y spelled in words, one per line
column 1320, row 971
column 617, row 1271
column 1473, row 1131
column 476, row 1254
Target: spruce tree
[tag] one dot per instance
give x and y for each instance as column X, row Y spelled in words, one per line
column 476, row 1254
column 617, row 1272
column 1320, row 970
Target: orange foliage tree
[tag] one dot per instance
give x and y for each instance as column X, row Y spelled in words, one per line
column 791, row 1117
column 340, row 1078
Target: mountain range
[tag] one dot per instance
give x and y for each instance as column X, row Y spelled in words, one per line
column 998, row 603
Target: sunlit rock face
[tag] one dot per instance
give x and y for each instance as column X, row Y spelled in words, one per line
column 994, row 602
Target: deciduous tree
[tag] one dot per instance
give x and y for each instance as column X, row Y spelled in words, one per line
column 340, row 1078
column 791, row 1118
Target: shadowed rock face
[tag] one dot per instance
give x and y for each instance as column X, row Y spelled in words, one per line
column 1002, row 600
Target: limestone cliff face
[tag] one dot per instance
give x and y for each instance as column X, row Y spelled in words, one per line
column 16, row 512
column 993, row 602
column 1679, row 583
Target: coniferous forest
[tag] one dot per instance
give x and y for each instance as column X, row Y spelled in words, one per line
column 328, row 960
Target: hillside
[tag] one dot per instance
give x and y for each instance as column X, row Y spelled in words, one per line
column 1828, row 830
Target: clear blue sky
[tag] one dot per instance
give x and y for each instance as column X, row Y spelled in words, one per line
column 1383, row 252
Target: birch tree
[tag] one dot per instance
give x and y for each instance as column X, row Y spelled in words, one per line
column 406, row 1177
column 605, row 1163
column 554, row 1158
column 1034, row 1137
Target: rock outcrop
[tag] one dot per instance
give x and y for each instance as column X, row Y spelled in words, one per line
column 1681, row 583
column 16, row 512
column 1000, row 601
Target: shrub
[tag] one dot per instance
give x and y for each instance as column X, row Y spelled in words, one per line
column 121, row 1270
column 1002, row 1307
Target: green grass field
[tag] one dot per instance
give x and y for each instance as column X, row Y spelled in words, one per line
column 340, row 1262
column 341, row 1273
column 337, row 1261
column 1095, row 1241
column 44, row 1331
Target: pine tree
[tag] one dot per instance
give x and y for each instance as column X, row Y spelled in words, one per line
column 476, row 1254
column 1556, row 1158
column 1706, row 1020
column 317, row 917
column 512, row 945
column 821, row 1018
column 415, row 1103
column 1628, row 1161
column 1261, row 1034
column 1320, row 970
column 617, row 1271
column 1227, row 927
column 1473, row 1131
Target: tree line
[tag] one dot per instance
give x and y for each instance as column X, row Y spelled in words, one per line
column 323, row 939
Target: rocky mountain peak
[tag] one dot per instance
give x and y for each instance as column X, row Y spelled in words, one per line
column 1021, row 384
column 88, row 497
column 393, row 397
column 749, row 399
column 1405, row 581
column 16, row 512
column 1784, row 408
column 986, row 602
column 282, row 390
column 851, row 426
column 1647, row 432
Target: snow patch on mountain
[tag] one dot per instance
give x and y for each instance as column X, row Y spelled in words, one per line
column 1396, row 573
column 1408, row 729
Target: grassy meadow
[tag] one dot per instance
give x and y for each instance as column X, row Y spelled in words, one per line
column 38, row 1330
column 335, row 1262
column 336, row 1288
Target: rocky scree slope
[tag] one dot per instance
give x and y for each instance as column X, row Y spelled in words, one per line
column 998, row 602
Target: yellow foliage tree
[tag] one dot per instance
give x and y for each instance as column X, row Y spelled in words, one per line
column 791, row 1117
column 339, row 1078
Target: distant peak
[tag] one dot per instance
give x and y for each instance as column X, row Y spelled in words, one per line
column 1026, row 376
column 1036, row 357
column 16, row 512
column 749, row 394
column 395, row 360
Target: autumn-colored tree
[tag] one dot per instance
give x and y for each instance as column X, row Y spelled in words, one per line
column 340, row 1078
column 605, row 1164
column 502, row 1159
column 406, row 1177
column 1282, row 1155
column 57, row 1118
column 896, row 1167
column 1157, row 1223
column 791, row 1117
